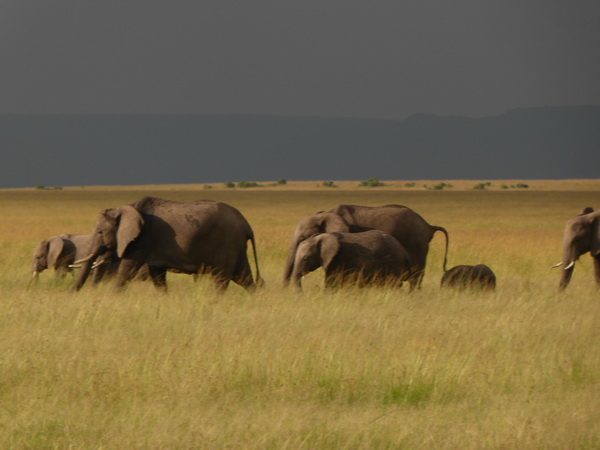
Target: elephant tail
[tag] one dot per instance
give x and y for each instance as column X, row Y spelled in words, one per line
column 259, row 281
column 443, row 230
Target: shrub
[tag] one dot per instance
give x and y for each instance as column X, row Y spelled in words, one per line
column 440, row 186
column 330, row 184
column 281, row 181
column 248, row 184
column 410, row 184
column 522, row 185
column 230, row 184
column 371, row 182
column 482, row 186
column 207, row 186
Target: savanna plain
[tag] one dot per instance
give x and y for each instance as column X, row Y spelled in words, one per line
column 351, row 368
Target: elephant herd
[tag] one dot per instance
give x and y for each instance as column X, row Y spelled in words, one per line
column 357, row 245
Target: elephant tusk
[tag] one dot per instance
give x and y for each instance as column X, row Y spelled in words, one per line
column 99, row 263
column 74, row 266
column 571, row 264
column 35, row 274
column 86, row 259
column 557, row 265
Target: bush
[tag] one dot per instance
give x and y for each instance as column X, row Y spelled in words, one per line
column 230, row 184
column 411, row 184
column 482, row 186
column 281, row 181
column 207, row 186
column 371, row 182
column 330, row 184
column 248, row 184
column 440, row 186
column 522, row 185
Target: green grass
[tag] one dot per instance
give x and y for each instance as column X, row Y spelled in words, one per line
column 354, row 368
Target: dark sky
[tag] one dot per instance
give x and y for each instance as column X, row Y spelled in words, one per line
column 330, row 58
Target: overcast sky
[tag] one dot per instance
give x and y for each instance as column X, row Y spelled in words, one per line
column 330, row 58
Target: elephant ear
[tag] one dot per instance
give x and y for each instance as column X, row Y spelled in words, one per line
column 130, row 227
column 329, row 248
column 595, row 247
column 332, row 223
column 55, row 248
column 586, row 210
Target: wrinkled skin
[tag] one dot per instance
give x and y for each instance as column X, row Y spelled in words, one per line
column 408, row 227
column 186, row 237
column 582, row 235
column 470, row 277
column 366, row 258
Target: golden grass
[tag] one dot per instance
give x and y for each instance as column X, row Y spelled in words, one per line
column 354, row 368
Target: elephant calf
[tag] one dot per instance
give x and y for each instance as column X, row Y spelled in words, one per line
column 367, row 258
column 59, row 252
column 463, row 277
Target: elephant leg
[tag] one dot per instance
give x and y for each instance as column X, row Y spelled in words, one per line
column 243, row 274
column 127, row 270
column 597, row 270
column 159, row 278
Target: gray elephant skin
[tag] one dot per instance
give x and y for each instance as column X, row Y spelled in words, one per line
column 366, row 258
column 59, row 252
column 404, row 224
column 464, row 277
column 188, row 237
column 582, row 235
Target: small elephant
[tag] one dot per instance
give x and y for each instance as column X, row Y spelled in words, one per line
column 366, row 258
column 59, row 252
column 582, row 235
column 464, row 277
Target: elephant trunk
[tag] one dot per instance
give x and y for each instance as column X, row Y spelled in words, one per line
column 87, row 264
column 289, row 264
column 86, row 268
column 566, row 275
column 568, row 264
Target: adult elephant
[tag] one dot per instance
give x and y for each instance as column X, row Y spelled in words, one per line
column 367, row 258
column 582, row 235
column 188, row 237
column 408, row 227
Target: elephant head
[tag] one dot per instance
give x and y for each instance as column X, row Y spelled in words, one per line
column 52, row 252
column 323, row 222
column 317, row 251
column 115, row 230
column 46, row 254
column 582, row 235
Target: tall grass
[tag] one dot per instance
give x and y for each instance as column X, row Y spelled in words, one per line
column 352, row 368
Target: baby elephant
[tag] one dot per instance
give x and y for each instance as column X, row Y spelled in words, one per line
column 463, row 277
column 366, row 258
column 59, row 252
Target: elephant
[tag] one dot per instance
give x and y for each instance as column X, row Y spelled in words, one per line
column 201, row 236
column 59, row 252
column 469, row 277
column 582, row 235
column 365, row 258
column 408, row 227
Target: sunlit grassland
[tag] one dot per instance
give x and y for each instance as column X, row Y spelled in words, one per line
column 355, row 368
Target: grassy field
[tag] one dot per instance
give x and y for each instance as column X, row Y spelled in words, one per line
column 355, row 368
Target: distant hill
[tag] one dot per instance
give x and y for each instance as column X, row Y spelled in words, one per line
column 73, row 150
